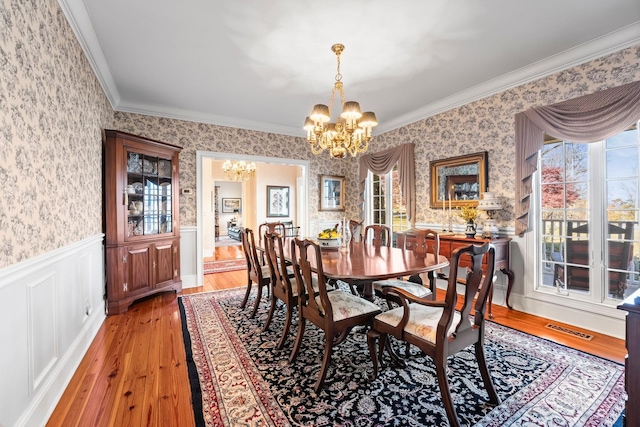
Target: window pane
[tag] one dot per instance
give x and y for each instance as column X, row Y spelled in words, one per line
column 624, row 139
column 576, row 167
column 622, row 194
column 576, row 195
column 622, row 163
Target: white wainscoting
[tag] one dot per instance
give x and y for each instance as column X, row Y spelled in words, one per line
column 189, row 257
column 51, row 308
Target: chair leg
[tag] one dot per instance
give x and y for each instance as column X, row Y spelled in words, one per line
column 486, row 376
column 443, row 382
column 272, row 308
column 372, row 337
column 287, row 326
column 326, row 360
column 302, row 322
column 257, row 303
column 246, row 295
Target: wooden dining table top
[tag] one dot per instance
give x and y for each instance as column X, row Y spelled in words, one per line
column 365, row 262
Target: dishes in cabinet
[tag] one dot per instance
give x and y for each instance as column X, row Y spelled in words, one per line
column 150, row 167
column 138, row 187
column 164, row 168
column 134, row 163
column 135, row 228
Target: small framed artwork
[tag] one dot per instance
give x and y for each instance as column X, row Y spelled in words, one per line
column 277, row 201
column 231, row 205
column 331, row 193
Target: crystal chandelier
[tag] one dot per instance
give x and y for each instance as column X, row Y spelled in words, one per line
column 351, row 132
column 239, row 171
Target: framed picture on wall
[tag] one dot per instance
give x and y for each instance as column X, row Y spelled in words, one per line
column 331, row 193
column 231, row 205
column 277, row 201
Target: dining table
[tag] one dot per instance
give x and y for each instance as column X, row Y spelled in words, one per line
column 365, row 263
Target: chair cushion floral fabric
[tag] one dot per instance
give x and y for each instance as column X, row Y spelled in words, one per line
column 314, row 279
column 345, row 305
column 266, row 272
column 414, row 288
column 423, row 320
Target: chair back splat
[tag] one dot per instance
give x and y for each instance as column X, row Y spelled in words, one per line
column 437, row 327
column 381, row 235
column 270, row 227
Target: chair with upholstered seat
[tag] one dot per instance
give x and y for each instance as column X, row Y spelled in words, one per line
column 271, row 227
column 256, row 272
column 437, row 328
column 336, row 312
column 380, row 235
column 417, row 243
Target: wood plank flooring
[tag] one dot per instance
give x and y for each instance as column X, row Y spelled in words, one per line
column 135, row 372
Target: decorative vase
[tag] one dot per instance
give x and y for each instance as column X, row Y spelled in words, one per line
column 470, row 231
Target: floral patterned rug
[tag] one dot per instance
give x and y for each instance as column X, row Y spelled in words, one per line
column 224, row 265
column 240, row 379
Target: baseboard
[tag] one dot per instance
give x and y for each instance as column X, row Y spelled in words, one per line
column 190, row 281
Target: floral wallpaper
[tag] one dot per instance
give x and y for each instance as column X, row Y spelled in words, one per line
column 52, row 110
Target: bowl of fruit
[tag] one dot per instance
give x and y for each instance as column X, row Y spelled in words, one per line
column 329, row 238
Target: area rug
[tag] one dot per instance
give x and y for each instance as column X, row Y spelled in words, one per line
column 224, row 265
column 227, row 241
column 239, row 378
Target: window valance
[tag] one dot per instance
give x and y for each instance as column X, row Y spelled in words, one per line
column 587, row 118
column 381, row 163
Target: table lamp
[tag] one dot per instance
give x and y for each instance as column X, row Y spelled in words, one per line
column 490, row 204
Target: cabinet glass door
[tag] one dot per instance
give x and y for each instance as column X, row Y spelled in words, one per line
column 149, row 194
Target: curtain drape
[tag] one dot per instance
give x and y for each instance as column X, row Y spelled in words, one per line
column 587, row 118
column 381, row 163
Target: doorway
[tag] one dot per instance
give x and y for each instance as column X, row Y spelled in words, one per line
column 269, row 171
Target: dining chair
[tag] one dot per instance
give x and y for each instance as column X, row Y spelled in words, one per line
column 335, row 312
column 418, row 243
column 271, row 227
column 283, row 286
column 381, row 235
column 437, row 327
column 355, row 230
column 256, row 272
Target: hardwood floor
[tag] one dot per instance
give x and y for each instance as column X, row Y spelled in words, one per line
column 135, row 374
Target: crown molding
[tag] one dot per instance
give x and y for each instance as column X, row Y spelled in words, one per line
column 200, row 117
column 597, row 48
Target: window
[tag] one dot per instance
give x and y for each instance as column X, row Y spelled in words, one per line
column 386, row 205
column 588, row 214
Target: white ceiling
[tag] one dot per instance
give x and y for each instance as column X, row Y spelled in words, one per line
column 262, row 65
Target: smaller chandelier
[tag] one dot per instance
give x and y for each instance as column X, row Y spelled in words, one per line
column 350, row 133
column 239, row 171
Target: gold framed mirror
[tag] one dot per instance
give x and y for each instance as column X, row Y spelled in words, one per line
column 459, row 181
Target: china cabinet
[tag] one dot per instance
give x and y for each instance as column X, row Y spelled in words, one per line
column 142, row 227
